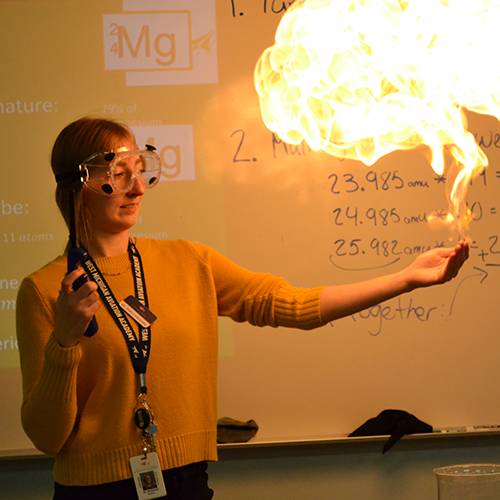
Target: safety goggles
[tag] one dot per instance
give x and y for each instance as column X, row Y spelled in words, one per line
column 116, row 172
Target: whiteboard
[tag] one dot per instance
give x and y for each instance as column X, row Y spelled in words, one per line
column 269, row 206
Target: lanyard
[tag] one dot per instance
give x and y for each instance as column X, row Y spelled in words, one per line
column 138, row 348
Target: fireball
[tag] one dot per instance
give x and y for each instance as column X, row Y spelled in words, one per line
column 359, row 79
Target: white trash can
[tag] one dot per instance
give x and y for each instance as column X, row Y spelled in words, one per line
column 468, row 482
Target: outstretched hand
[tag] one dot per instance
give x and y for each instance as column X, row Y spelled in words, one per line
column 437, row 266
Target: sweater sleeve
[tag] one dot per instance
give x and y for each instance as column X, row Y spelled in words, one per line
column 49, row 373
column 260, row 298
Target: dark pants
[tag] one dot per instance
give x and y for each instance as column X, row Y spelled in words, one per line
column 189, row 482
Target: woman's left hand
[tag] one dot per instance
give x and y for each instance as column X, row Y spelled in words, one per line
column 437, row 266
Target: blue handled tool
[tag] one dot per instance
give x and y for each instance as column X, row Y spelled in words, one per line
column 75, row 256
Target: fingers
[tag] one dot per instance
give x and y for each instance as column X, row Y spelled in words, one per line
column 463, row 252
column 460, row 251
column 465, row 248
column 438, row 265
column 69, row 279
column 445, row 252
column 90, row 303
column 68, row 283
column 459, row 255
column 87, row 289
column 80, row 303
column 75, row 308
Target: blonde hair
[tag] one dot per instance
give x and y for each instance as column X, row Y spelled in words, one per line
column 76, row 142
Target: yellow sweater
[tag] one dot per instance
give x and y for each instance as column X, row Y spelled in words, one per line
column 78, row 402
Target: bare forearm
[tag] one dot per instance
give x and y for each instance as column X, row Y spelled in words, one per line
column 343, row 300
column 434, row 267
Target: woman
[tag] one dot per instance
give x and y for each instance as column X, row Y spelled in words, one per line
column 114, row 409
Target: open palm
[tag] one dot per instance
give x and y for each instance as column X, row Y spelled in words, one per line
column 437, row 265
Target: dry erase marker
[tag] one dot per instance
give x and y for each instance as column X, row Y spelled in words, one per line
column 470, row 428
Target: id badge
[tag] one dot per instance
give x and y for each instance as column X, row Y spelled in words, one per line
column 147, row 476
column 138, row 311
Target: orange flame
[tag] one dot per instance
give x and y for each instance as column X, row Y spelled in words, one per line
column 361, row 78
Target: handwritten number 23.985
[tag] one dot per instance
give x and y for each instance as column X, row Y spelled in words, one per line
column 348, row 183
